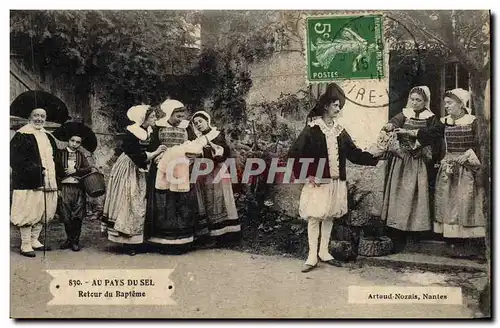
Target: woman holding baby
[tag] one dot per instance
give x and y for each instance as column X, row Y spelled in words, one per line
column 172, row 220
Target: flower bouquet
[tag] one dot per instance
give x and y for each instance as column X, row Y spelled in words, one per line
column 388, row 141
column 449, row 168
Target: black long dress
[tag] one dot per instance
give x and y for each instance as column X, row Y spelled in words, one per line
column 172, row 218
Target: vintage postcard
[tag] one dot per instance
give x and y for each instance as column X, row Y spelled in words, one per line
column 250, row 164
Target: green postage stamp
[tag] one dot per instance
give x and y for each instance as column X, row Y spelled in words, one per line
column 344, row 47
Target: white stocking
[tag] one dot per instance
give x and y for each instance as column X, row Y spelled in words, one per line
column 35, row 233
column 26, row 239
column 326, row 230
column 312, row 237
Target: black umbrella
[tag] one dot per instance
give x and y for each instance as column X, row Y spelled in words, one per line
column 70, row 129
column 56, row 110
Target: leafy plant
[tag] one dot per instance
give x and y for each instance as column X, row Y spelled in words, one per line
column 355, row 196
column 132, row 57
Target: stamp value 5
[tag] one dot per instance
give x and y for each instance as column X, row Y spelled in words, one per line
column 344, row 47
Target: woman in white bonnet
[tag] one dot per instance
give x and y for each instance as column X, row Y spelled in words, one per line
column 459, row 195
column 34, row 199
column 125, row 205
column 410, row 171
column 172, row 220
column 216, row 196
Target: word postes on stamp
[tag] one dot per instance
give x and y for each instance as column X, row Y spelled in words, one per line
column 344, row 47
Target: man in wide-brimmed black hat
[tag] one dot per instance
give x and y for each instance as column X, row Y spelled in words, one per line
column 34, row 183
column 73, row 166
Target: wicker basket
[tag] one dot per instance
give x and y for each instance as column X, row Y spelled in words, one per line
column 375, row 246
column 94, row 184
column 343, row 250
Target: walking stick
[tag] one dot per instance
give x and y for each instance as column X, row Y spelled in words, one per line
column 44, row 214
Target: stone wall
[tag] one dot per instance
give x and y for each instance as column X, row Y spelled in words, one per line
column 282, row 73
column 69, row 89
column 285, row 72
column 107, row 140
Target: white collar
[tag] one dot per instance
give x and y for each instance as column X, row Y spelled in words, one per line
column 464, row 120
column 139, row 132
column 410, row 113
column 336, row 128
column 30, row 129
column 214, row 133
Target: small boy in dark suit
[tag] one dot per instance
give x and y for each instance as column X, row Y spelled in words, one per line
column 72, row 198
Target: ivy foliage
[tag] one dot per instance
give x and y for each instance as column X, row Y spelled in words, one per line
column 127, row 54
column 134, row 57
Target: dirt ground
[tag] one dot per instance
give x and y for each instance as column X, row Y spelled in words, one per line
column 222, row 283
